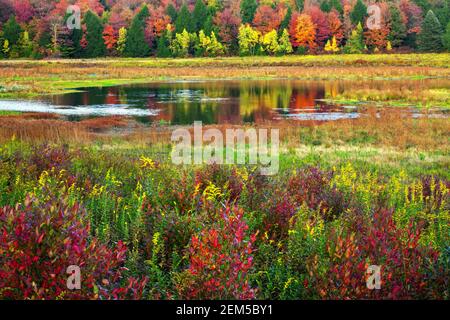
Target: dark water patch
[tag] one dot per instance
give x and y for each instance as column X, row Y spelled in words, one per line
column 234, row 102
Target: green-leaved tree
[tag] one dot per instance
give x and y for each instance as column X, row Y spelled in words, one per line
column 135, row 45
column 430, row 38
column 94, row 31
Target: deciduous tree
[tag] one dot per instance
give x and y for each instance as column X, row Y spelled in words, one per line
column 302, row 31
column 109, row 37
column 320, row 21
column 266, row 19
column 336, row 26
column 248, row 40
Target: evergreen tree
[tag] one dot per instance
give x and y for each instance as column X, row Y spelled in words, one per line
column 325, row 6
column 171, row 12
column 430, row 38
column 208, row 27
column 184, row 20
column 398, row 28
column 286, row 20
column 332, row 46
column 248, row 9
column 143, row 14
column 163, row 45
column 135, row 45
column 336, row 4
column 12, row 31
column 300, row 4
column 446, row 38
column 358, row 13
column 285, row 45
column 199, row 15
column 25, row 45
column 94, row 31
column 442, row 11
column 355, row 43
column 71, row 42
column 423, row 4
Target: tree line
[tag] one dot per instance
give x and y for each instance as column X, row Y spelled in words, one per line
column 174, row 28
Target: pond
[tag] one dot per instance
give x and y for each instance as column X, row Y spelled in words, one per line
column 222, row 101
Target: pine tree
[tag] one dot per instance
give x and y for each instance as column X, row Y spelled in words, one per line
column 286, row 20
column 300, row 4
column 398, row 29
column 332, row 46
column 248, row 9
column 336, row 4
column 423, row 4
column 446, row 38
column 184, row 20
column 430, row 38
column 25, row 45
column 94, row 31
column 12, row 31
column 285, row 45
column 358, row 13
column 171, row 12
column 325, row 6
column 208, row 26
column 355, row 43
column 135, row 45
column 163, row 44
column 199, row 15
column 442, row 11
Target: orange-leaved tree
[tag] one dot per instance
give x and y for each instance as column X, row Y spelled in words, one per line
column 302, row 31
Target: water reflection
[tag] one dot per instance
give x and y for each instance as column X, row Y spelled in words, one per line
column 233, row 102
column 221, row 101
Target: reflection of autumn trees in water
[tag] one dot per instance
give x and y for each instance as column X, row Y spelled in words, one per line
column 246, row 101
column 236, row 102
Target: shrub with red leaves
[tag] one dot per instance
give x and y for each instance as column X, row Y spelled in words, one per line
column 406, row 266
column 39, row 241
column 312, row 186
column 220, row 260
column 45, row 157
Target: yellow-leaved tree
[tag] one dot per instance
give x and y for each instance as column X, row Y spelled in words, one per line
column 332, row 46
column 209, row 45
column 121, row 40
column 248, row 40
column 269, row 42
column 284, row 43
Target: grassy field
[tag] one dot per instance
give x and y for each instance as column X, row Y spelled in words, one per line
column 348, row 194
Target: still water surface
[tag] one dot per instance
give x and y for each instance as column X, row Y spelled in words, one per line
column 229, row 101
